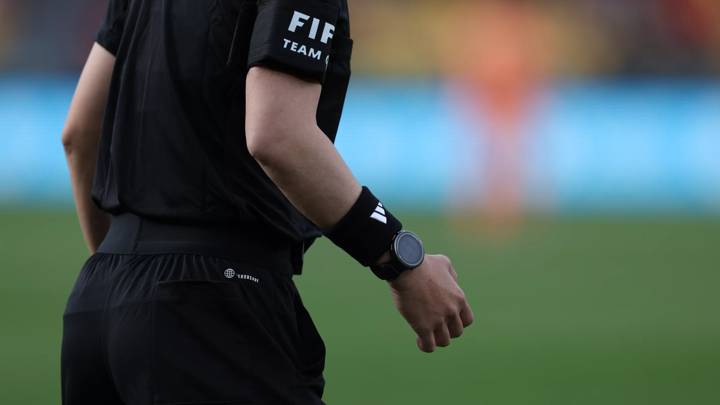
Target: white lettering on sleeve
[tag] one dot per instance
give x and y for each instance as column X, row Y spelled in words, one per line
column 314, row 28
column 328, row 33
column 298, row 20
column 315, row 54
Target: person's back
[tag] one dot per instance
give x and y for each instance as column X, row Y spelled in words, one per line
column 174, row 142
column 215, row 171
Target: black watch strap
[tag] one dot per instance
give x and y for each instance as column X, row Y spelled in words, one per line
column 406, row 253
column 388, row 271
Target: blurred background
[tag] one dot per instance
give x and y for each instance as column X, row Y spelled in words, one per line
column 565, row 154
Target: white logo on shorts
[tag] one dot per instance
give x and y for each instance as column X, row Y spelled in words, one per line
column 231, row 273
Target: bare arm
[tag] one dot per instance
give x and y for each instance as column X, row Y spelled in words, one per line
column 80, row 138
column 293, row 151
column 283, row 136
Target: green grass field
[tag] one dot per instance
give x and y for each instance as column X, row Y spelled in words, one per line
column 568, row 311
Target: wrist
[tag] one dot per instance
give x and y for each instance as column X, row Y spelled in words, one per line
column 384, row 259
column 402, row 282
column 406, row 253
column 367, row 230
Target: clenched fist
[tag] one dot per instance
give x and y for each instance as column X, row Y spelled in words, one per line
column 432, row 302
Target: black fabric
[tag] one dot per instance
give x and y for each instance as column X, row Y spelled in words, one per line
column 143, row 329
column 367, row 230
column 337, row 80
column 131, row 234
column 173, row 145
column 112, row 27
column 295, row 36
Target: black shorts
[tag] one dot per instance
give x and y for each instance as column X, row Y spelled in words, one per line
column 155, row 319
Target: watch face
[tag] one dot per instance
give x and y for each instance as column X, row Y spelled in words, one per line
column 409, row 249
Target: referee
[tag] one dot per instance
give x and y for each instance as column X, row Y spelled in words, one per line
column 200, row 146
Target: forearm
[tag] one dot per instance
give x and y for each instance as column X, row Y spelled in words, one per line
column 315, row 178
column 312, row 175
column 94, row 222
column 283, row 136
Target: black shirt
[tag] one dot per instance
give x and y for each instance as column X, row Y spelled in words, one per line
column 173, row 144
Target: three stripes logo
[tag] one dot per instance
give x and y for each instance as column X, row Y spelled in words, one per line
column 379, row 214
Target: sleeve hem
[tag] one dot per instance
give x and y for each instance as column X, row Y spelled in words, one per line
column 303, row 74
column 108, row 41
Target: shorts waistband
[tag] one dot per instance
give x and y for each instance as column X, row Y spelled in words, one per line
column 132, row 234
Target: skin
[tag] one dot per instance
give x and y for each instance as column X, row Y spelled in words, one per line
column 283, row 136
column 80, row 138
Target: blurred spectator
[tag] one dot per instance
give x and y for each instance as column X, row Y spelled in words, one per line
column 673, row 37
column 497, row 59
column 8, row 11
column 692, row 26
column 401, row 37
column 48, row 35
column 594, row 37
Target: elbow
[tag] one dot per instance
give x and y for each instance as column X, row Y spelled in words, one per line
column 69, row 140
column 77, row 139
column 268, row 142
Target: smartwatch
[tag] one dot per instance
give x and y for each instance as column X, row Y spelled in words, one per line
column 406, row 253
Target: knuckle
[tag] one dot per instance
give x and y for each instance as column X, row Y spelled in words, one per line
column 439, row 325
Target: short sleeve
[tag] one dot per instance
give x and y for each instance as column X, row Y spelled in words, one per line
column 294, row 36
column 112, row 26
